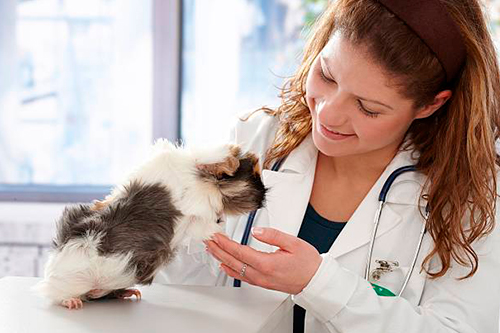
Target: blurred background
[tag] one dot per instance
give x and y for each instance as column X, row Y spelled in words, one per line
column 87, row 86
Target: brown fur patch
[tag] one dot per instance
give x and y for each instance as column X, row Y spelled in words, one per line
column 228, row 166
column 141, row 222
column 255, row 162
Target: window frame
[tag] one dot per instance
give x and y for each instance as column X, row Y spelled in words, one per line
column 167, row 48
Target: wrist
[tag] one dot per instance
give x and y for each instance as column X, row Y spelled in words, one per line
column 316, row 263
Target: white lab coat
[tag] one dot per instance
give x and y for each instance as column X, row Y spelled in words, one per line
column 338, row 299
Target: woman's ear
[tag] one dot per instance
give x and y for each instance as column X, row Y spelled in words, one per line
column 429, row 109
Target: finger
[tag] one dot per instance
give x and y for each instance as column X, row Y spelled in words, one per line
column 234, row 274
column 210, row 247
column 251, row 276
column 243, row 253
column 235, row 266
column 223, row 256
column 275, row 237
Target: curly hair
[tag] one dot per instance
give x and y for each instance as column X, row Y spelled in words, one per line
column 455, row 146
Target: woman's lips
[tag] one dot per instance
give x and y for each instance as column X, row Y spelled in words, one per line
column 334, row 135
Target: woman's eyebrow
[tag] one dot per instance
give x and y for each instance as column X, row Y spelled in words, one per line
column 359, row 97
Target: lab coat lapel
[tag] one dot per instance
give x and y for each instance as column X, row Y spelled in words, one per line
column 286, row 200
column 358, row 231
column 290, row 188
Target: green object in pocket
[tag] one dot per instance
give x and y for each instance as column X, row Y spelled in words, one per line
column 381, row 291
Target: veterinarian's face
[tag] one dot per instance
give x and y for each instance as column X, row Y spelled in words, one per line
column 348, row 94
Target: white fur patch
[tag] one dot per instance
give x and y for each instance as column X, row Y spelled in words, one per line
column 175, row 167
column 78, row 268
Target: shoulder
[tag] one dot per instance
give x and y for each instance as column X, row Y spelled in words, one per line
column 256, row 133
column 408, row 187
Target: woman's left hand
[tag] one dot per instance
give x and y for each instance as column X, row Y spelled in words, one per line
column 289, row 269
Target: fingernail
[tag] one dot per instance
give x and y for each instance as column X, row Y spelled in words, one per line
column 257, row 231
column 214, row 237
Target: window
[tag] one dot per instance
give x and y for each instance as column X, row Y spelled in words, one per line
column 85, row 89
column 75, row 92
column 81, row 103
column 493, row 13
column 235, row 56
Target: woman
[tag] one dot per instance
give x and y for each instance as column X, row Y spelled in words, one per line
column 383, row 84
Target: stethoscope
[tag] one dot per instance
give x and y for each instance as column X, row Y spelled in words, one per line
column 381, row 198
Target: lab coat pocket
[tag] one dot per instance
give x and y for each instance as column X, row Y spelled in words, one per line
column 393, row 280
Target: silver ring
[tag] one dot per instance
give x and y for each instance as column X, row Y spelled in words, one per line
column 243, row 269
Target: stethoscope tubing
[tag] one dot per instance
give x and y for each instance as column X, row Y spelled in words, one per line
column 415, row 257
column 376, row 221
column 382, row 198
column 251, row 218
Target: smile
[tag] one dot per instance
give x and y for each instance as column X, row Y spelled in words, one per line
column 332, row 135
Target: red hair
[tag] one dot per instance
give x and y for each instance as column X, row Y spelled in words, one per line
column 456, row 145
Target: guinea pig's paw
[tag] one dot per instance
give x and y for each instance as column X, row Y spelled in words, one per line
column 73, row 303
column 125, row 293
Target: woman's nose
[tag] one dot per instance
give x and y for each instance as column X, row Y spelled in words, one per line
column 331, row 110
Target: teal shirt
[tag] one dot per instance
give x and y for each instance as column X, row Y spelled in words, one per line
column 321, row 233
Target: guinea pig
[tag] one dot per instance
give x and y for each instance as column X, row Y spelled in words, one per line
column 104, row 248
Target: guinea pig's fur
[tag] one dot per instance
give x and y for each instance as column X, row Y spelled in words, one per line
column 177, row 195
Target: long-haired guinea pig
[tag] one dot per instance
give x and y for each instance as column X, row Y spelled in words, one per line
column 104, row 248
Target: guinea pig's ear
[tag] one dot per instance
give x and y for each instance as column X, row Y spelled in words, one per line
column 227, row 167
column 100, row 205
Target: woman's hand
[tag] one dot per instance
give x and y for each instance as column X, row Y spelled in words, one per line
column 289, row 269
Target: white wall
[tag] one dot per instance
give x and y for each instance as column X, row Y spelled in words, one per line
column 26, row 232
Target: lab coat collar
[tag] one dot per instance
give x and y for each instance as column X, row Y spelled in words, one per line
column 302, row 158
column 290, row 190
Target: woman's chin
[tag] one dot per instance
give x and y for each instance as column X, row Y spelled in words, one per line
column 333, row 147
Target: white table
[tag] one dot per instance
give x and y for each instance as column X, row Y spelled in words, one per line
column 163, row 308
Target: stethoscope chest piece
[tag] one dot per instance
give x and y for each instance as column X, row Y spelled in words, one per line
column 384, row 266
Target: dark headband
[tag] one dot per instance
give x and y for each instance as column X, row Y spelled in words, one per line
column 430, row 20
